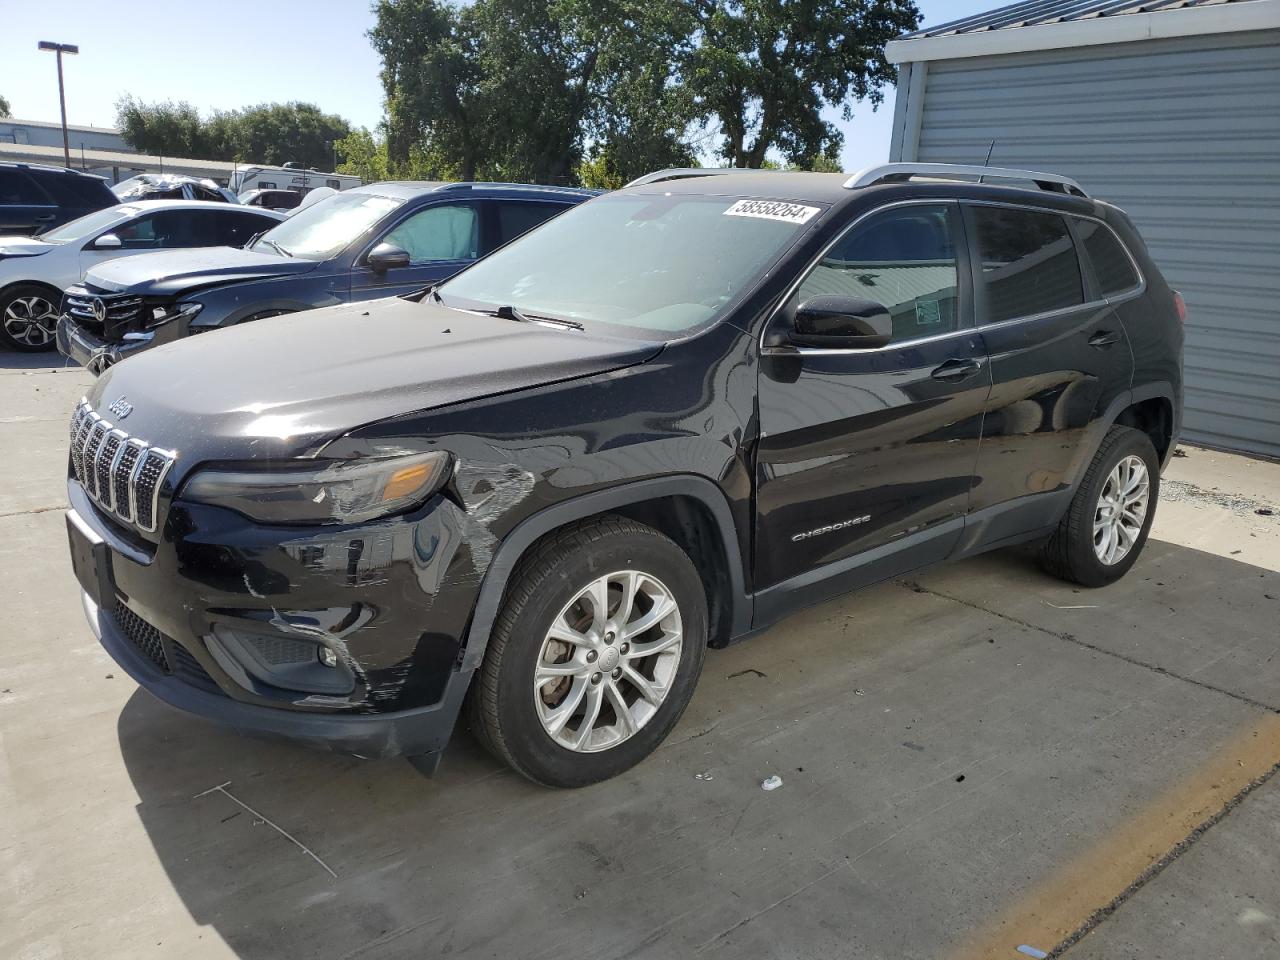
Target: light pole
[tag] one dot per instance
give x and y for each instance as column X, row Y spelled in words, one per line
column 60, row 49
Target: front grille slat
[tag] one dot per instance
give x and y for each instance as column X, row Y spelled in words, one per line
column 122, row 473
column 105, row 460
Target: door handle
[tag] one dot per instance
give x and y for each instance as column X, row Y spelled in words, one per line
column 955, row 370
column 46, row 218
column 1103, row 339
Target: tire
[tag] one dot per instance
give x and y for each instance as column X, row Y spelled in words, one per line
column 1076, row 550
column 538, row 730
column 29, row 317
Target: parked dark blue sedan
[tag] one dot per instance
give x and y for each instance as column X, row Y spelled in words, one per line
column 381, row 240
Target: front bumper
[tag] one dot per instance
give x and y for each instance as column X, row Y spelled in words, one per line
column 93, row 353
column 200, row 617
column 414, row 733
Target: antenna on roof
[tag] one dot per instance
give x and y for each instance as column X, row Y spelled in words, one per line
column 987, row 162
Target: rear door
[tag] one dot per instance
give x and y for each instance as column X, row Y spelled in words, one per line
column 75, row 195
column 24, row 208
column 441, row 239
column 865, row 457
column 1058, row 354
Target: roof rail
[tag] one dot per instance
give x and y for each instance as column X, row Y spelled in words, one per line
column 682, row 173
column 902, row 172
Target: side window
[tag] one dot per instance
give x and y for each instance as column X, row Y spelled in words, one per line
column 138, row 234
column 167, row 230
column 17, row 188
column 235, row 229
column 73, row 191
column 1029, row 264
column 520, row 216
column 904, row 259
column 447, row 231
column 1111, row 264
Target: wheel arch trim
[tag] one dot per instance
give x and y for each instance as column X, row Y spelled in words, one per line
column 529, row 531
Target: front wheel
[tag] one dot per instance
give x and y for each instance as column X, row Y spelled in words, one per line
column 1107, row 524
column 28, row 318
column 594, row 656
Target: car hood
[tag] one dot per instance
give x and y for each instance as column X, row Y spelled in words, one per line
column 23, row 247
column 284, row 386
column 178, row 271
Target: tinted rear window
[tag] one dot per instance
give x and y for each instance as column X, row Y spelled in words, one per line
column 1029, row 264
column 1111, row 263
column 520, row 216
column 73, row 191
column 17, row 188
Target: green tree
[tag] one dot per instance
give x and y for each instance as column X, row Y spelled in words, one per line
column 362, row 154
column 526, row 89
column 764, row 69
column 269, row 133
column 168, row 129
column 278, row 133
column 4, row 108
column 430, row 75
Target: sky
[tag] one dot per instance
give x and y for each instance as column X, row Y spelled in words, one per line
column 237, row 53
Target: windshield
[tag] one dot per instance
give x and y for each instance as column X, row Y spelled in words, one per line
column 645, row 265
column 320, row 231
column 88, row 224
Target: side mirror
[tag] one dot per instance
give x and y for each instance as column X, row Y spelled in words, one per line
column 846, row 323
column 108, row 241
column 387, row 256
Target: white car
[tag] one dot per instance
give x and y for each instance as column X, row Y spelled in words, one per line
column 35, row 270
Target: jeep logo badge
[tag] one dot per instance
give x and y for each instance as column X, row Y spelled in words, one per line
column 121, row 407
column 99, row 309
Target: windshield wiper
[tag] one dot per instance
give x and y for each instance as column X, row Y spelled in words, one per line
column 276, row 247
column 508, row 312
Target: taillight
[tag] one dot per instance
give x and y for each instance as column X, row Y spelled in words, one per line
column 1180, row 305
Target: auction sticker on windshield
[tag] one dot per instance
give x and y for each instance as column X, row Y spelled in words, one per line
column 772, row 210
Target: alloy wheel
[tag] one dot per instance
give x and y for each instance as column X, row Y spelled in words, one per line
column 608, row 661
column 1121, row 511
column 31, row 321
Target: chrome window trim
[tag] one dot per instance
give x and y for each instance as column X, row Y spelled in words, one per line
column 1028, row 318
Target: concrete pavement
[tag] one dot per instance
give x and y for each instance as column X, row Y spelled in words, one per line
column 973, row 760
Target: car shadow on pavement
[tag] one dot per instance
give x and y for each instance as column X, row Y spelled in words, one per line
column 46, row 360
column 942, row 740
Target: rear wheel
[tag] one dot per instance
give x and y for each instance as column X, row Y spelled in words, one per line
column 1109, row 519
column 594, row 656
column 28, row 318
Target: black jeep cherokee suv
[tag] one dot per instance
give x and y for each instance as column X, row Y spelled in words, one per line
column 660, row 421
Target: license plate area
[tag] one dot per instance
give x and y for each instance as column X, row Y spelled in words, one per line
column 90, row 559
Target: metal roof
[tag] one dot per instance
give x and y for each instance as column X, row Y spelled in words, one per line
column 1035, row 12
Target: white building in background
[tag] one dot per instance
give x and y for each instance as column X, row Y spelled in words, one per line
column 40, row 133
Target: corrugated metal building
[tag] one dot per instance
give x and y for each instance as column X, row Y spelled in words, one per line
column 1169, row 109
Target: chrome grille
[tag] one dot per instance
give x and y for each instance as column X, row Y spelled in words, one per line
column 118, row 310
column 122, row 473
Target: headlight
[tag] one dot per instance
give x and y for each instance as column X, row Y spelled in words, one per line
column 171, row 311
column 338, row 493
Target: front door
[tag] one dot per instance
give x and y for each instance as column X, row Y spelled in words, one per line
column 1058, row 354
column 866, row 457
column 441, row 239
